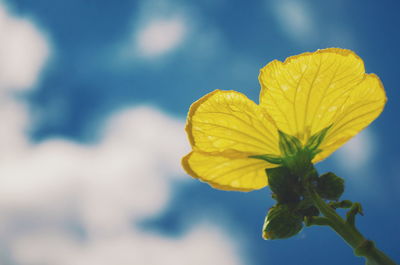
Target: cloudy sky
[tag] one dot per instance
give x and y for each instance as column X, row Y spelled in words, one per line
column 93, row 99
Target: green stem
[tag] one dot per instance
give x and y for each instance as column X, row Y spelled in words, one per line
column 361, row 246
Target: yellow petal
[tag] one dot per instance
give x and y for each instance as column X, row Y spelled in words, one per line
column 227, row 173
column 363, row 105
column 304, row 93
column 227, row 122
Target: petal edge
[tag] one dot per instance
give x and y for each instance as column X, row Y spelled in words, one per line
column 229, row 122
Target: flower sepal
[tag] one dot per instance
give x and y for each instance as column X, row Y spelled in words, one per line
column 288, row 144
column 273, row 159
column 294, row 156
column 315, row 141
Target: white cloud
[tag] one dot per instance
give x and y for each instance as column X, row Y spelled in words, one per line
column 356, row 155
column 159, row 28
column 67, row 203
column 356, row 160
column 205, row 245
column 105, row 188
column 160, row 36
column 295, row 19
column 23, row 52
column 312, row 23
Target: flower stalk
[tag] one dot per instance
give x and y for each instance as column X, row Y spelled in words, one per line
column 346, row 229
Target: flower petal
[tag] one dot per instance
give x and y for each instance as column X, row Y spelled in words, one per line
column 227, row 173
column 227, row 122
column 304, row 93
column 363, row 105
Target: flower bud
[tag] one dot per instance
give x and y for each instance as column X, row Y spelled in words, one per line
column 283, row 184
column 281, row 222
column 310, row 211
column 330, row 186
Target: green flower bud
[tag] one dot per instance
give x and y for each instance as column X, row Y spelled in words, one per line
column 281, row 222
column 284, row 185
column 330, row 186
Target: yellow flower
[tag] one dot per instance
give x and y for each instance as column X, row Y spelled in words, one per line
column 301, row 96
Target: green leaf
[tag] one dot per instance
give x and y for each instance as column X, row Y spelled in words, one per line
column 330, row 186
column 289, row 145
column 315, row 140
column 282, row 222
column 273, row 159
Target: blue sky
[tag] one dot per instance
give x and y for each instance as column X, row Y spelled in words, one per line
column 94, row 96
